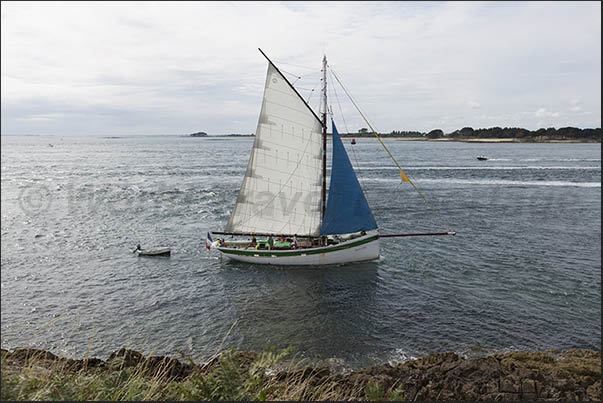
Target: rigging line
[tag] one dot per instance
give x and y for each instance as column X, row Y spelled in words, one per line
column 306, row 76
column 402, row 174
column 312, row 91
column 291, row 74
column 354, row 153
column 339, row 105
column 298, row 77
column 295, row 76
column 348, row 131
column 350, row 96
column 314, row 73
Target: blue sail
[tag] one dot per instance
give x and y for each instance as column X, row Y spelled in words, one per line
column 347, row 209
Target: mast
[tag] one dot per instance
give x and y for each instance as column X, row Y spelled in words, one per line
column 324, row 138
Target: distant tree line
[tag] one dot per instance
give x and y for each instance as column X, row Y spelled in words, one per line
column 563, row 133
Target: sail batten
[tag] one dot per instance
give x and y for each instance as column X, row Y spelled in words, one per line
column 347, row 210
column 281, row 189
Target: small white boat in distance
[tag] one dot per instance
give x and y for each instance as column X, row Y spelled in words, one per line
column 152, row 252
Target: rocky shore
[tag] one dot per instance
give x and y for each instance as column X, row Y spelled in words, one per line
column 551, row 375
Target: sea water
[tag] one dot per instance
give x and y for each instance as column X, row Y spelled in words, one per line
column 523, row 271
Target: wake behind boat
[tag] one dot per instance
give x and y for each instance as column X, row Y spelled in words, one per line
column 283, row 195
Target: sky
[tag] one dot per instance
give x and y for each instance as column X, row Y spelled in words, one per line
column 151, row 68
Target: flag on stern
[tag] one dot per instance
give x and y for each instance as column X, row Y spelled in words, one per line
column 208, row 241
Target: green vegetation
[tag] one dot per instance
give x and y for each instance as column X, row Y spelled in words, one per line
column 516, row 133
column 374, row 392
column 563, row 133
column 435, row 134
column 128, row 376
column 29, row 374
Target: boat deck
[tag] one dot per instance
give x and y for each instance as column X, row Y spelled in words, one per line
column 288, row 244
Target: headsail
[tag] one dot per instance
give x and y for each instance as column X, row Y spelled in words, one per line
column 281, row 189
column 347, row 208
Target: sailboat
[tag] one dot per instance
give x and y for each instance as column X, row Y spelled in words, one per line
column 283, row 195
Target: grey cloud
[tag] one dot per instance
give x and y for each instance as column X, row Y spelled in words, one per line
column 179, row 67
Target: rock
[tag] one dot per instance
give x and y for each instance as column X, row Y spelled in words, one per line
column 131, row 358
column 491, row 388
column 305, row 373
column 171, row 367
column 509, row 385
column 555, row 375
column 508, row 396
column 593, row 392
column 528, row 386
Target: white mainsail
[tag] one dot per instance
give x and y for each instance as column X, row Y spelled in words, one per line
column 281, row 191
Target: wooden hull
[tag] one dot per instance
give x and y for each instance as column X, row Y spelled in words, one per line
column 355, row 250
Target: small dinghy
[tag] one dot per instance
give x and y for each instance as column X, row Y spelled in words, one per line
column 152, row 252
column 482, row 158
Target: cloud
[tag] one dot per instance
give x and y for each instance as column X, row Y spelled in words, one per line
column 575, row 105
column 544, row 113
column 187, row 66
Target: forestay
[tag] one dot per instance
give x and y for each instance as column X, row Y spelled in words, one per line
column 281, row 191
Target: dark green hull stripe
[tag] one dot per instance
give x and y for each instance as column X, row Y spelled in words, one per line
column 297, row 252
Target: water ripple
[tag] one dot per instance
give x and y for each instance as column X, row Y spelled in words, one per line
column 522, row 272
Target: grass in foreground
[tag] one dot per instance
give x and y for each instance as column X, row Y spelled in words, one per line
column 229, row 377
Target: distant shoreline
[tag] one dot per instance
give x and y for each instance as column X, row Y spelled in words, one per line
column 442, row 140
column 473, row 140
column 345, row 138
